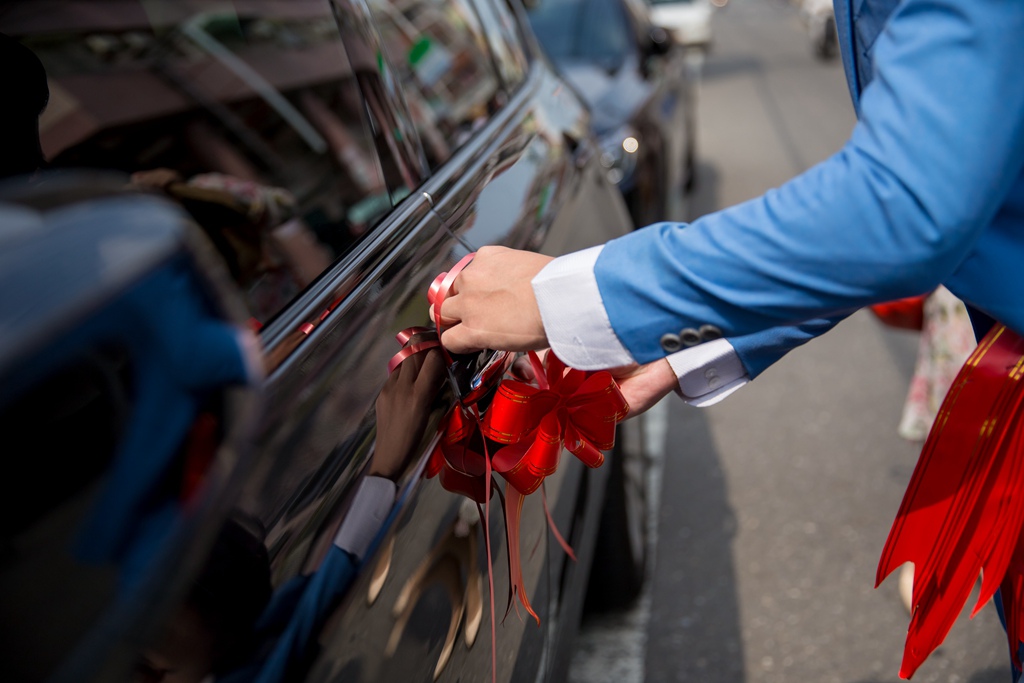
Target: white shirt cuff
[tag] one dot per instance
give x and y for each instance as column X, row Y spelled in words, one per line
column 708, row 373
column 252, row 355
column 572, row 311
column 370, row 508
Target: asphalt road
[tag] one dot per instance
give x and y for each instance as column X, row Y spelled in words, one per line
column 775, row 504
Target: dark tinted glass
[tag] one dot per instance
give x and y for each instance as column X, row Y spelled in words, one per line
column 582, row 30
column 444, row 62
column 247, row 113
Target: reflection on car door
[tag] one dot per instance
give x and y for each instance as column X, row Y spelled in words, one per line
column 425, row 597
column 337, row 156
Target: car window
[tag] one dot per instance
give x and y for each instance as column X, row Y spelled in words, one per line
column 440, row 52
column 246, row 113
column 592, row 31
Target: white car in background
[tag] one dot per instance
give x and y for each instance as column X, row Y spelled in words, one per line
column 688, row 20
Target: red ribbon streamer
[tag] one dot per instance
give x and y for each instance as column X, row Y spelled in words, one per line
column 963, row 511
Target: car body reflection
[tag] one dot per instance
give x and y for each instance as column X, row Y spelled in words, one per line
column 288, row 175
column 636, row 81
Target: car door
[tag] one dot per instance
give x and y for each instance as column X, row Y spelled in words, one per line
column 334, row 195
column 288, row 158
column 539, row 185
column 510, row 164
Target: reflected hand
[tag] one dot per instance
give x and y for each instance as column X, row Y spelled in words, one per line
column 491, row 303
column 403, row 407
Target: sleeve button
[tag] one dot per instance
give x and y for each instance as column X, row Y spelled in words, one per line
column 671, row 342
column 689, row 337
column 709, row 332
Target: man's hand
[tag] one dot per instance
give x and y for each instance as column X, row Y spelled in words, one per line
column 644, row 385
column 491, row 303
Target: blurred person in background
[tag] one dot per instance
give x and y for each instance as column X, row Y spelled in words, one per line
column 928, row 191
column 818, row 16
column 945, row 343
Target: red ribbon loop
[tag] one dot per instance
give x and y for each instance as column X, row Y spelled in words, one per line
column 442, row 284
column 410, row 350
column 529, row 424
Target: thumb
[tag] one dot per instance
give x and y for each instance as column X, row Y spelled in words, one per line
column 522, row 369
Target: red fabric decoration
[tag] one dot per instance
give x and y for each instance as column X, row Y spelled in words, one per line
column 963, row 511
column 905, row 314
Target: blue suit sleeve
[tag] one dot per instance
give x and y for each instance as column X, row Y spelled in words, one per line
column 758, row 351
column 938, row 147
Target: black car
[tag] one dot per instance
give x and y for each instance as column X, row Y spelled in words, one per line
column 638, row 85
column 210, row 239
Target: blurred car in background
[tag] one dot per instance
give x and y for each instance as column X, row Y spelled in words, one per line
column 689, row 21
column 637, row 84
column 212, row 237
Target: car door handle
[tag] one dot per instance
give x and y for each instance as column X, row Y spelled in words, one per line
column 474, row 376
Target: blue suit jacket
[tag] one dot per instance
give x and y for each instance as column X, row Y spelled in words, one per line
column 928, row 190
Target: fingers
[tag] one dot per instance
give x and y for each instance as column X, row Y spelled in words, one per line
column 522, row 369
column 445, row 322
column 460, row 339
column 450, row 317
column 450, row 311
column 450, row 293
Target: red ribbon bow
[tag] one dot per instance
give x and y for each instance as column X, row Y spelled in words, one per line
column 459, row 456
column 569, row 408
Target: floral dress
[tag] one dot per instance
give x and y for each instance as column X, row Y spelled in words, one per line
column 947, row 339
